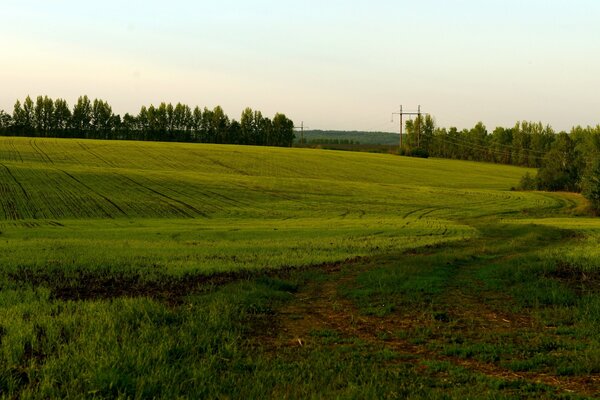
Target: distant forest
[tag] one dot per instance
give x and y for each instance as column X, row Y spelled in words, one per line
column 566, row 161
column 348, row 137
column 95, row 119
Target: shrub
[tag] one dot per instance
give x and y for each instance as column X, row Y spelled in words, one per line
column 528, row 182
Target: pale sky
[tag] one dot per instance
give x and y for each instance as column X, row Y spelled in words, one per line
column 332, row 64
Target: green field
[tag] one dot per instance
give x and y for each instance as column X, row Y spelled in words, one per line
column 135, row 269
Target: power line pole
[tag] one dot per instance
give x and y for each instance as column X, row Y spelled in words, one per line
column 301, row 127
column 419, row 127
column 401, row 114
column 401, row 124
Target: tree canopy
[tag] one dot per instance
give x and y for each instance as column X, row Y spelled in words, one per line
column 95, row 119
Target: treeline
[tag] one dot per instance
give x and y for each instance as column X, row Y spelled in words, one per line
column 572, row 164
column 566, row 161
column 359, row 137
column 333, row 141
column 95, row 119
column 524, row 144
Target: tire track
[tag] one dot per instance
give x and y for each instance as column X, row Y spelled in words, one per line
column 40, row 152
column 15, row 150
column 17, row 182
column 103, row 160
column 172, row 199
column 11, row 211
column 228, row 167
column 27, row 198
column 115, row 205
column 429, row 212
column 408, row 214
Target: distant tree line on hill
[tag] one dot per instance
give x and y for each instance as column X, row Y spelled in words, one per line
column 566, row 161
column 359, row 137
column 95, row 119
column 332, row 141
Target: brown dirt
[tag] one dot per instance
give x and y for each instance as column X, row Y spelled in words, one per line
column 91, row 285
column 319, row 306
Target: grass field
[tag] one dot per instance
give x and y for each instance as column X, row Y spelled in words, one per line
column 133, row 269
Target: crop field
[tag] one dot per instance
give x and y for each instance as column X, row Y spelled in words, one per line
column 180, row 209
column 164, row 270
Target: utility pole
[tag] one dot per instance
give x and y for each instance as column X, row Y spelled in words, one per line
column 402, row 113
column 301, row 127
column 401, row 125
column 419, row 127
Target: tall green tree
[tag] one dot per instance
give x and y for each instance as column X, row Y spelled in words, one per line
column 591, row 184
column 82, row 116
column 282, row 131
column 102, row 119
column 220, row 124
column 247, row 126
column 44, row 115
column 5, row 121
column 23, row 117
column 562, row 166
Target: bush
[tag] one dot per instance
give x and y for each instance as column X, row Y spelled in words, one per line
column 591, row 185
column 416, row 152
column 528, row 182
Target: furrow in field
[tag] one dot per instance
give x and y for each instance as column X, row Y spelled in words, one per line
column 186, row 207
column 12, row 197
column 9, row 206
column 89, row 188
column 16, row 181
column 190, row 191
column 13, row 154
column 42, row 155
column 226, row 167
column 95, row 155
column 67, row 198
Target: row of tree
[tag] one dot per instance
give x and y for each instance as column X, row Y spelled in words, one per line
column 332, row 141
column 566, row 161
column 572, row 164
column 46, row 117
column 525, row 144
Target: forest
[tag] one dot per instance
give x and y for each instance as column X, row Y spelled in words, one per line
column 566, row 161
column 95, row 119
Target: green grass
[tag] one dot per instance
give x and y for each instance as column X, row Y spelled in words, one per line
column 65, row 179
column 155, row 208
column 142, row 270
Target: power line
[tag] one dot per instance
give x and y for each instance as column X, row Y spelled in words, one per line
column 301, row 127
column 475, row 146
column 403, row 113
column 512, row 148
column 508, row 146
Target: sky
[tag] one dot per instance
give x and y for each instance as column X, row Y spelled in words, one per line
column 333, row 64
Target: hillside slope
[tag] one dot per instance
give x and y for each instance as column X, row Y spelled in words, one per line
column 49, row 178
